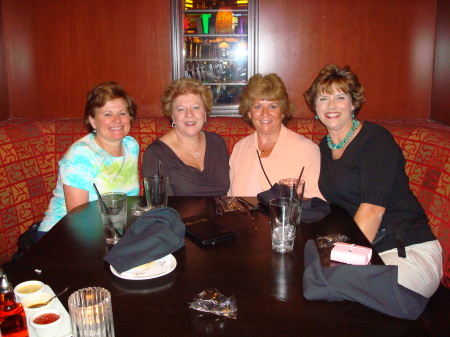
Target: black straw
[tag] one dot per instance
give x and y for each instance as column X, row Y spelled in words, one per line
column 100, row 198
column 159, row 168
column 102, row 202
column 300, row 176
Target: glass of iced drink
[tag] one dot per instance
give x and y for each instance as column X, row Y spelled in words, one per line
column 114, row 215
column 283, row 220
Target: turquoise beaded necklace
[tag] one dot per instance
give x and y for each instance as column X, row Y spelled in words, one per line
column 350, row 134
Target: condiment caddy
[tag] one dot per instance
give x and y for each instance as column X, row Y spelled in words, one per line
column 66, row 330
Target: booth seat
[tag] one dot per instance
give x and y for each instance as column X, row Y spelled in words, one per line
column 31, row 148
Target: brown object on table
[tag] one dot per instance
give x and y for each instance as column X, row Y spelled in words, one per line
column 267, row 285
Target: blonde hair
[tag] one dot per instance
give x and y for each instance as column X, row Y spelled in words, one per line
column 269, row 87
column 184, row 86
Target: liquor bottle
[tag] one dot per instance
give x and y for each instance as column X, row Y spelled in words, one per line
column 13, row 322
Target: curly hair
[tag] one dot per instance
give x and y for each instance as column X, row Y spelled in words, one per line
column 184, row 86
column 269, row 87
column 330, row 78
column 102, row 94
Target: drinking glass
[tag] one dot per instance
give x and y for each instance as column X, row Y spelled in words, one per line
column 156, row 188
column 114, row 216
column 294, row 189
column 283, row 220
column 91, row 313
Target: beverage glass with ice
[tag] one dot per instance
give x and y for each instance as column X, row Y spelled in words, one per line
column 283, row 219
column 293, row 188
column 114, row 216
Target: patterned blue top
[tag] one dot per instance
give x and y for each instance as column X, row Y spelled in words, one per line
column 86, row 163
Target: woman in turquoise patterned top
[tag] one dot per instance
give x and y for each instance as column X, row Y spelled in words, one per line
column 107, row 156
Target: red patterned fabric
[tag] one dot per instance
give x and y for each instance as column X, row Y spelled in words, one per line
column 30, row 151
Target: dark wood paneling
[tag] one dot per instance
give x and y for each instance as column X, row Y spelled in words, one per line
column 57, row 50
column 440, row 97
column 389, row 44
column 4, row 98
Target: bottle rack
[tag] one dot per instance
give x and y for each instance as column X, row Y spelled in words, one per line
column 219, row 52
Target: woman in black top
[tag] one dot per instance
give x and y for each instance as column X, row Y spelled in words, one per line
column 363, row 171
column 195, row 161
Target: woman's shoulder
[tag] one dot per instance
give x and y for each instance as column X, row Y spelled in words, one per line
column 212, row 136
column 81, row 145
column 130, row 141
column 376, row 131
column 299, row 139
column 246, row 141
column 157, row 146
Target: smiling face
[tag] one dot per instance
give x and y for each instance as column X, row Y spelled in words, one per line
column 188, row 114
column 334, row 109
column 112, row 121
column 266, row 116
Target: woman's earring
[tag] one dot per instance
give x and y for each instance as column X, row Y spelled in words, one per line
column 353, row 115
column 173, row 124
column 317, row 117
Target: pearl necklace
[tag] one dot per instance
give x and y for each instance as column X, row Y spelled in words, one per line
column 350, row 134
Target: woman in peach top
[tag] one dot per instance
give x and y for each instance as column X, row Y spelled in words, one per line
column 273, row 152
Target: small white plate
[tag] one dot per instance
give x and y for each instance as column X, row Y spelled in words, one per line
column 66, row 329
column 149, row 270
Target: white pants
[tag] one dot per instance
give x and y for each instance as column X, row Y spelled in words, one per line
column 421, row 270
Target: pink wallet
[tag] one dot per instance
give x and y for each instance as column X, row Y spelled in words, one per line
column 350, row 253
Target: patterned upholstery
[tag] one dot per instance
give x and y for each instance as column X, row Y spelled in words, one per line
column 30, row 151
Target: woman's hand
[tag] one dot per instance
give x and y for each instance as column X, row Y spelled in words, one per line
column 74, row 197
column 368, row 218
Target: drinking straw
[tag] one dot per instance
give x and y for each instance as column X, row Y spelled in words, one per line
column 100, row 198
column 102, row 203
column 300, row 176
column 159, row 167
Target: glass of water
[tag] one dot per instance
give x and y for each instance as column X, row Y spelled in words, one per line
column 283, row 220
column 114, row 215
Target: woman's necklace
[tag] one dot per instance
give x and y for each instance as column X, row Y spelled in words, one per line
column 269, row 148
column 266, row 150
column 196, row 154
column 350, row 134
column 111, row 150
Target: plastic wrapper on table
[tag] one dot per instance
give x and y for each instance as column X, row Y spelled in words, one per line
column 213, row 301
column 325, row 244
column 230, row 204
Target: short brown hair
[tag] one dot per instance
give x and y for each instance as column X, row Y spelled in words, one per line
column 342, row 79
column 185, row 86
column 269, row 87
column 102, row 94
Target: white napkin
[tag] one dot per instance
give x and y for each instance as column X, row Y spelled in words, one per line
column 149, row 269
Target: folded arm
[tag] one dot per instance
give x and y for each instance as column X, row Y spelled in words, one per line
column 74, row 196
column 368, row 218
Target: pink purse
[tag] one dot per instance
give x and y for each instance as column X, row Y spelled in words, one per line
column 350, row 253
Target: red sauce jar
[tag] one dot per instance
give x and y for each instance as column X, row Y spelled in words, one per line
column 46, row 318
